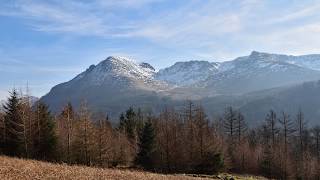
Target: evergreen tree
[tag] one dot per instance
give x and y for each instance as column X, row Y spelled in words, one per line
column 45, row 138
column 146, row 147
column 14, row 128
column 131, row 123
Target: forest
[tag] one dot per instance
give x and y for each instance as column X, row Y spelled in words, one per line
column 183, row 140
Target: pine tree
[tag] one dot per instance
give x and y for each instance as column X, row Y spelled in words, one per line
column 146, row 144
column 130, row 123
column 14, row 127
column 45, row 138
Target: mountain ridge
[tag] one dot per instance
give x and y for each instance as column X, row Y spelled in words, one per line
column 117, row 83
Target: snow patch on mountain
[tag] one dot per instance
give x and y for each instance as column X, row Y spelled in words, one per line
column 117, row 68
column 187, row 73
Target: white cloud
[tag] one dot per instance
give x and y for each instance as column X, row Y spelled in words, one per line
column 72, row 17
column 211, row 27
column 295, row 14
column 126, row 3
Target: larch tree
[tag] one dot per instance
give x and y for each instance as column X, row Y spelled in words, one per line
column 104, row 142
column 287, row 129
column 229, row 124
column 240, row 127
column 83, row 136
column 301, row 127
column 65, row 127
column 271, row 124
column 189, row 113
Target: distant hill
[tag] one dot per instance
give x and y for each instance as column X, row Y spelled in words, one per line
column 118, row 83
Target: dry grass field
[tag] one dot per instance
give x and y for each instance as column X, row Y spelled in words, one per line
column 19, row 169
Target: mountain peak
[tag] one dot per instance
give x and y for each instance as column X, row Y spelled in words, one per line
column 118, row 60
column 147, row 66
column 186, row 73
column 259, row 55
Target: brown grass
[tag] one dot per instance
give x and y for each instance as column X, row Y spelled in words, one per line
column 17, row 169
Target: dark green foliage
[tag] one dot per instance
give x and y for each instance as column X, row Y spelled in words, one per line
column 131, row 123
column 211, row 163
column 45, row 138
column 14, row 127
column 146, row 147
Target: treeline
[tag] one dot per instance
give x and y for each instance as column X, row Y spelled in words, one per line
column 174, row 141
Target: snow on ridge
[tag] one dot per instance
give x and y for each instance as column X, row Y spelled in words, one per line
column 117, row 68
column 195, row 71
column 187, row 73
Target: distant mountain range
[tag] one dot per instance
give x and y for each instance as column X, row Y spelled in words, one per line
column 253, row 83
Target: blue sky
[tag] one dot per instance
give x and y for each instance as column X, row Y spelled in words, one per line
column 46, row 42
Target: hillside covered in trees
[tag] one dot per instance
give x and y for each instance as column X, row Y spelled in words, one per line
column 183, row 140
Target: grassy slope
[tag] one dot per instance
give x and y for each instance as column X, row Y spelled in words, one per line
column 14, row 168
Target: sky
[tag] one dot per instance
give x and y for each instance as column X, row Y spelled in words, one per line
column 47, row 42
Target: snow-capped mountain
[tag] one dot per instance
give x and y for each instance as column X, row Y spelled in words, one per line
column 116, row 83
column 117, row 68
column 105, row 85
column 259, row 71
column 307, row 61
column 188, row 73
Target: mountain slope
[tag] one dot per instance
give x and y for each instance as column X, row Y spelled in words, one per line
column 304, row 97
column 257, row 72
column 111, row 86
column 118, row 83
column 187, row 73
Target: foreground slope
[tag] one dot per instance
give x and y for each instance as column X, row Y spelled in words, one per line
column 13, row 168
